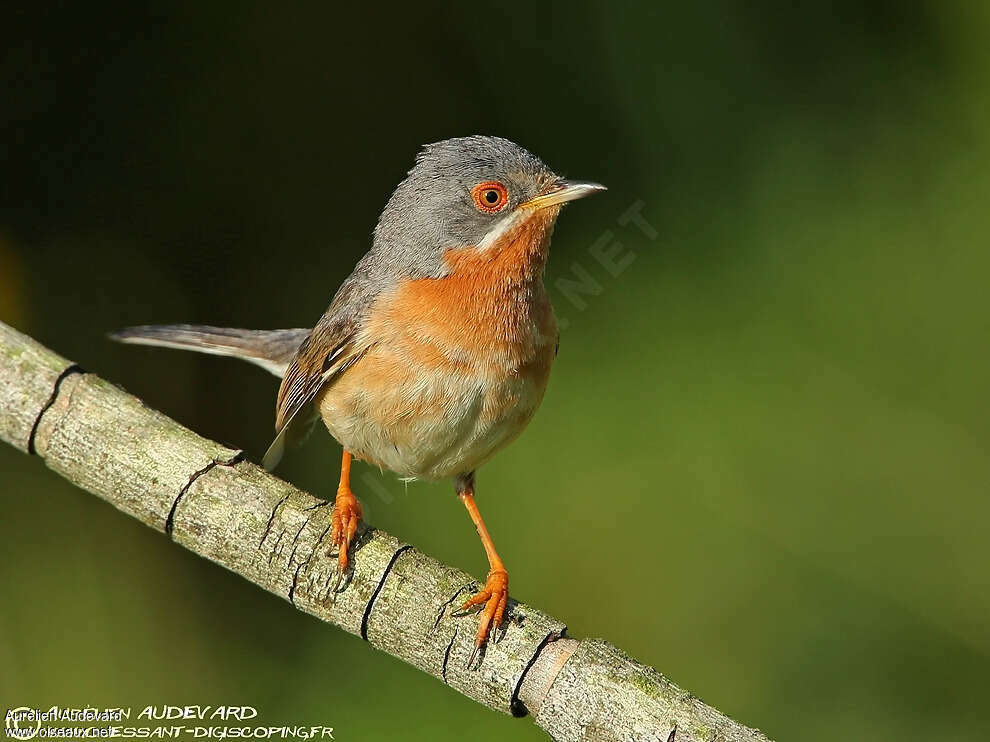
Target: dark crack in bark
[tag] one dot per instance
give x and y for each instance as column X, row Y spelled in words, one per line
column 295, row 582
column 316, row 547
column 446, row 655
column 271, row 520
column 447, row 603
column 75, row 368
column 378, row 588
column 170, row 520
column 320, row 539
column 271, row 557
column 515, row 703
column 295, row 543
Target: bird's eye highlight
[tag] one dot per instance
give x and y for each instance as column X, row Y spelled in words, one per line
column 490, row 197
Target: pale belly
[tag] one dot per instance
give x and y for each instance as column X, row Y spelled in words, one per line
column 426, row 417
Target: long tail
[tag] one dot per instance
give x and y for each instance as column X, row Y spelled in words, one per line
column 271, row 349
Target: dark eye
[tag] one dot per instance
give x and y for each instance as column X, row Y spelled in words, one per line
column 490, row 196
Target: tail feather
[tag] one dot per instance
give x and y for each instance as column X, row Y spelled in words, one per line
column 273, row 350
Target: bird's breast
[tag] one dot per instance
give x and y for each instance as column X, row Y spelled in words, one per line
column 456, row 369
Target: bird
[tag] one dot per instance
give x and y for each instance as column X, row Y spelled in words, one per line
column 435, row 352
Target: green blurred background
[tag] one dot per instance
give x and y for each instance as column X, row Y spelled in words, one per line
column 762, row 463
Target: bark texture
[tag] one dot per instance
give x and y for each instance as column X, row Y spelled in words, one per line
column 214, row 502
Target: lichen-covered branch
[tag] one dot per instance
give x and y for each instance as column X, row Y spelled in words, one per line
column 213, row 501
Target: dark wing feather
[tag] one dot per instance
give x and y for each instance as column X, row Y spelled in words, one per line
column 325, row 354
column 317, row 358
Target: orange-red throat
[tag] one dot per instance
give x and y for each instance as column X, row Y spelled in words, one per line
column 515, row 251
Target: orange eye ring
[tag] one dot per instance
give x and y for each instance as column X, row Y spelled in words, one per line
column 490, row 196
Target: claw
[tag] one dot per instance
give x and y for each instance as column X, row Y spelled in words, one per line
column 470, row 661
column 344, row 523
column 494, row 596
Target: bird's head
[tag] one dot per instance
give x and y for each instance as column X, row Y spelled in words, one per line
column 470, row 192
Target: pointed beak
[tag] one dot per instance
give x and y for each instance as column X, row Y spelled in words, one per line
column 561, row 192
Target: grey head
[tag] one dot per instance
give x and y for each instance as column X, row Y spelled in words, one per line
column 463, row 192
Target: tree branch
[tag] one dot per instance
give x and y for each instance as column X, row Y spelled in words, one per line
column 212, row 501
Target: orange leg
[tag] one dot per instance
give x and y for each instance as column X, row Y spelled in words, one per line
column 346, row 514
column 495, row 593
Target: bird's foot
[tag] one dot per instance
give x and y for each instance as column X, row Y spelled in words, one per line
column 494, row 596
column 344, row 523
